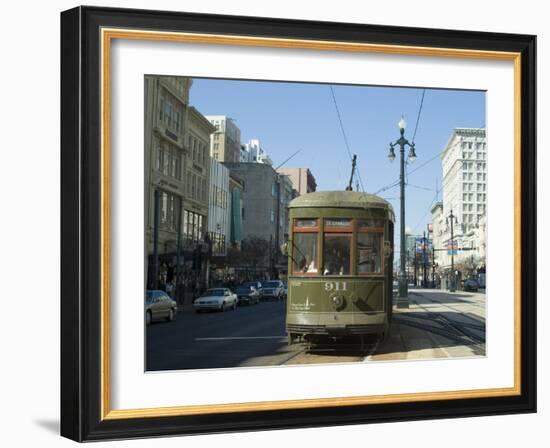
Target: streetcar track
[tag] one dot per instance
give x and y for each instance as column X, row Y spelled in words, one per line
column 479, row 327
column 457, row 326
column 438, row 302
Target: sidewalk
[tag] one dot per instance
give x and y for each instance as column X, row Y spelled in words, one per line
column 436, row 325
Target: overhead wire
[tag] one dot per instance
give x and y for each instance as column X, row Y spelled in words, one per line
column 427, row 211
column 419, row 112
column 344, row 134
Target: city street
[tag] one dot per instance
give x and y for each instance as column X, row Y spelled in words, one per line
column 437, row 324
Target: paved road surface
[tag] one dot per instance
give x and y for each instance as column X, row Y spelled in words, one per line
column 437, row 325
column 250, row 335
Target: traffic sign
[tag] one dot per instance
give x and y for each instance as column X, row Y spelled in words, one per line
column 452, row 247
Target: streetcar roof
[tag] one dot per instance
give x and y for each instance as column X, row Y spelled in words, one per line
column 340, row 199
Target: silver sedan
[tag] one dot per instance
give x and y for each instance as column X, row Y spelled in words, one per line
column 216, row 299
column 159, row 306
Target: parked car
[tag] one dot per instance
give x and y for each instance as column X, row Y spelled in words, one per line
column 256, row 284
column 471, row 285
column 285, row 290
column 273, row 289
column 217, row 299
column 247, row 294
column 159, row 306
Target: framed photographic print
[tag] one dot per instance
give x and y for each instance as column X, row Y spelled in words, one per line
column 276, row 224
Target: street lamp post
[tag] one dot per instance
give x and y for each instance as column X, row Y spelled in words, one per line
column 453, row 220
column 403, row 299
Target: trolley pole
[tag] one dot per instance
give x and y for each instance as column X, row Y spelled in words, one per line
column 424, row 281
column 433, row 264
column 403, row 298
column 453, row 279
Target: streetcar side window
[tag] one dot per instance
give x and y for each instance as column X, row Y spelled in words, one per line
column 369, row 246
column 369, row 253
column 304, row 254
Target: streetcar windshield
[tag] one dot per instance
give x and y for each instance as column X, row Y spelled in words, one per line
column 305, row 253
column 337, row 249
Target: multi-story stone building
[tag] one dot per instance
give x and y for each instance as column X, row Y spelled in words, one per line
column 265, row 203
column 302, row 179
column 197, row 170
column 166, row 109
column 465, row 176
column 236, row 190
column 464, row 164
column 287, row 193
column 225, row 142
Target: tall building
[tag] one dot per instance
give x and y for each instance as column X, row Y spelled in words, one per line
column 253, row 152
column 166, row 127
column 219, row 208
column 287, row 193
column 236, row 190
column 464, row 164
column 197, row 170
column 439, row 232
column 265, row 200
column 465, row 176
column 302, row 179
column 225, row 142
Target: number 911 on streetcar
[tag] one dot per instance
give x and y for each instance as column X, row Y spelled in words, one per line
column 340, row 266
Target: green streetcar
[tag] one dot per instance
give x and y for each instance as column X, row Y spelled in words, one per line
column 340, row 266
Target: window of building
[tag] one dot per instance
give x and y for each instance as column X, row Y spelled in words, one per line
column 161, row 109
column 272, row 216
column 174, row 163
column 168, row 208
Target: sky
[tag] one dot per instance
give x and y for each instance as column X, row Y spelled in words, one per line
column 287, row 117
